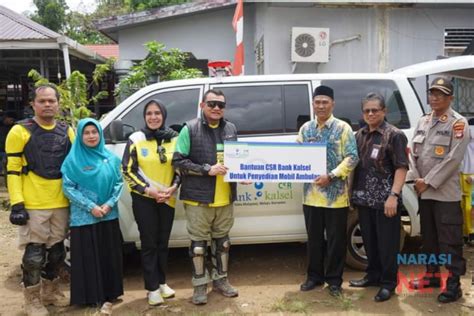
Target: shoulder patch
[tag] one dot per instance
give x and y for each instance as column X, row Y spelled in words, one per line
column 458, row 129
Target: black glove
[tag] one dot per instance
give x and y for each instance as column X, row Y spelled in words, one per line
column 18, row 215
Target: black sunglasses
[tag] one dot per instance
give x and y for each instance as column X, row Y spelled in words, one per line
column 162, row 153
column 213, row 104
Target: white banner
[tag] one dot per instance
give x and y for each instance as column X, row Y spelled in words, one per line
column 274, row 162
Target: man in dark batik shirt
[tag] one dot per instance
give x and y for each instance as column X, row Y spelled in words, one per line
column 378, row 182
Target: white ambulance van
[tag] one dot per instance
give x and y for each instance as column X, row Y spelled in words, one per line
column 268, row 108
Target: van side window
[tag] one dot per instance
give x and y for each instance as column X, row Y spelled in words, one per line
column 349, row 93
column 181, row 106
column 254, row 109
column 297, row 107
column 267, row 109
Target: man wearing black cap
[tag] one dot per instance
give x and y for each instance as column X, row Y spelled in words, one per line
column 326, row 200
column 437, row 149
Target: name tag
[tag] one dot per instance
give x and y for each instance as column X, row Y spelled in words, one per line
column 375, row 151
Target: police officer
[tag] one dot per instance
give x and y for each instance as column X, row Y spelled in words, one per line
column 35, row 149
column 437, row 149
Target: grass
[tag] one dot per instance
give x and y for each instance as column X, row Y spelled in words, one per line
column 290, row 306
column 294, row 305
column 346, row 302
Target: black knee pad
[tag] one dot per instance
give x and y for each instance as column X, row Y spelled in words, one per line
column 198, row 248
column 220, row 253
column 221, row 244
column 56, row 254
column 33, row 261
column 34, row 256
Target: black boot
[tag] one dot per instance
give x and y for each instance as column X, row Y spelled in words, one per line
column 452, row 292
column 431, row 279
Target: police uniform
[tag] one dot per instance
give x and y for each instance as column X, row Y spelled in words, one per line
column 437, row 149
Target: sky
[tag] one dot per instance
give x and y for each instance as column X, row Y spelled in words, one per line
column 21, row 6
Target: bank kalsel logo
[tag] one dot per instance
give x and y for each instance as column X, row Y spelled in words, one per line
column 277, row 193
column 259, row 187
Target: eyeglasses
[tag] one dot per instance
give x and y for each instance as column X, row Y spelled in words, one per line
column 213, row 104
column 375, row 111
column 162, row 153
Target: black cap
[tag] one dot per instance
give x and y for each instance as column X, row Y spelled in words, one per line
column 323, row 90
column 442, row 84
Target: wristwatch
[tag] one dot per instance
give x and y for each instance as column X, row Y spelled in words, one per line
column 206, row 168
column 395, row 194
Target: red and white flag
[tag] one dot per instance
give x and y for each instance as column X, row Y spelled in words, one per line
column 238, row 24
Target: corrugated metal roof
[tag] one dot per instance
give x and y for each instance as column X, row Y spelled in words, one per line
column 161, row 13
column 15, row 27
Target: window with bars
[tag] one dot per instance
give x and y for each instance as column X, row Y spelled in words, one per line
column 457, row 39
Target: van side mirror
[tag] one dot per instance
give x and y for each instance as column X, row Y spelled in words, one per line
column 116, row 131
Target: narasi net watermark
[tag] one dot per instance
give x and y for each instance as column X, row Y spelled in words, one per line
column 422, row 277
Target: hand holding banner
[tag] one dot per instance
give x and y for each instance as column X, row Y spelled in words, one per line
column 274, row 162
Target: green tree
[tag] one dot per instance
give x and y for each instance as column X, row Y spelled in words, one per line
column 141, row 5
column 74, row 92
column 80, row 28
column 50, row 13
column 166, row 65
column 107, row 8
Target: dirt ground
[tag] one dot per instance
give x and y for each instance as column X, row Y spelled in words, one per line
column 267, row 276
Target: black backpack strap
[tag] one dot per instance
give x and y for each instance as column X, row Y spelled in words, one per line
column 15, row 154
column 30, row 124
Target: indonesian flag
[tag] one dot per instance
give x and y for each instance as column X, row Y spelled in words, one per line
column 238, row 24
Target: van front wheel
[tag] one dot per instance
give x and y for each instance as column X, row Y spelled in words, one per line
column 356, row 257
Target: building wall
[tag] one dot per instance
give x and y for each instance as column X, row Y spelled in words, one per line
column 417, row 34
column 353, row 56
column 390, row 37
column 207, row 35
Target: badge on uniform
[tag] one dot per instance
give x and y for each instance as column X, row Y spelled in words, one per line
column 458, row 128
column 443, row 118
column 375, row 151
column 439, row 150
column 144, row 152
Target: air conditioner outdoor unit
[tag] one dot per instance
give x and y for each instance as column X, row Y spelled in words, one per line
column 310, row 45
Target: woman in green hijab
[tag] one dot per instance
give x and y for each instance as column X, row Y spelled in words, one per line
column 93, row 183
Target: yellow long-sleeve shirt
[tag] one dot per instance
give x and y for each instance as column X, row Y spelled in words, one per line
column 34, row 191
column 142, row 167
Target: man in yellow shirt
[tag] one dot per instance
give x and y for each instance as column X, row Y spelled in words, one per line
column 35, row 150
column 207, row 198
column 326, row 200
